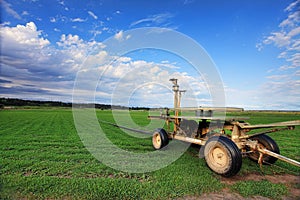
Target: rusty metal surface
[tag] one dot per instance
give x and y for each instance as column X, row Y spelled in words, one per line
column 209, row 118
column 287, row 123
column 281, row 157
column 220, row 109
column 188, row 139
column 264, row 132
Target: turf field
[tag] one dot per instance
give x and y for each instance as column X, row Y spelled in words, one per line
column 42, row 157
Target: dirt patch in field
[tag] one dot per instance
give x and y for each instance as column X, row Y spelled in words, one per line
column 28, row 173
column 226, row 194
column 284, row 179
column 287, row 179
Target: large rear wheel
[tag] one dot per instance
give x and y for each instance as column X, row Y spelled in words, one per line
column 222, row 156
column 265, row 141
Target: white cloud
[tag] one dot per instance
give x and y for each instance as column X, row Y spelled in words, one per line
column 259, row 46
column 294, row 32
column 69, row 40
column 128, row 36
column 288, row 37
column 158, row 19
column 9, row 10
column 279, row 39
column 25, row 13
column 119, row 35
column 5, row 24
column 282, row 87
column 141, row 83
column 35, row 68
column 291, row 21
column 95, row 32
column 52, row 19
column 292, row 6
column 293, row 16
column 285, row 67
column 32, row 67
column 295, row 46
column 58, row 18
column 168, row 65
column 92, row 15
column 78, row 19
column 277, row 77
column 124, row 59
column 186, row 2
column 23, row 35
column 61, row 2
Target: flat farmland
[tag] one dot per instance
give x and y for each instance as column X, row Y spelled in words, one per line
column 42, row 157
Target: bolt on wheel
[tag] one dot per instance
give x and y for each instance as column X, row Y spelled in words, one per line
column 218, row 157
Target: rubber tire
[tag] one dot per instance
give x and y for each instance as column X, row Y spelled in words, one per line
column 269, row 144
column 234, row 161
column 163, row 138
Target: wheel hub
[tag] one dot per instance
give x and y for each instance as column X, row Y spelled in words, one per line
column 219, row 157
column 157, row 140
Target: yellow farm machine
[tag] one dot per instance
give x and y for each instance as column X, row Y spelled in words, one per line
column 224, row 140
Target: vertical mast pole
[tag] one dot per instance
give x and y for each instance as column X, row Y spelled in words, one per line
column 176, row 102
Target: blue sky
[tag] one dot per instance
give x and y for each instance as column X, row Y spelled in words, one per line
column 254, row 44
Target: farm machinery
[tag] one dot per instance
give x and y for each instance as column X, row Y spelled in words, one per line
column 224, row 140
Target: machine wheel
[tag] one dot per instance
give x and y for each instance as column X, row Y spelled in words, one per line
column 222, row 156
column 160, row 139
column 265, row 141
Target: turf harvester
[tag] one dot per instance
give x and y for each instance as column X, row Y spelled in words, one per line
column 224, row 141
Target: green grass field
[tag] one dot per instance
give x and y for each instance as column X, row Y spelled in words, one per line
column 42, row 157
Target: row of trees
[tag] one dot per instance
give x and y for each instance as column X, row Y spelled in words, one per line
column 12, row 102
column 20, row 102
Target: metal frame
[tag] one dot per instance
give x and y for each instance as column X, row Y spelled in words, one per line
column 209, row 125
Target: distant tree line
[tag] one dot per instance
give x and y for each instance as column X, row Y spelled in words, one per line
column 11, row 102
column 21, row 102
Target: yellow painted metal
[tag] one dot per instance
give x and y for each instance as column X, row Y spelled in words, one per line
column 224, row 109
column 188, row 139
column 177, row 97
column 176, row 101
column 271, row 153
column 287, row 123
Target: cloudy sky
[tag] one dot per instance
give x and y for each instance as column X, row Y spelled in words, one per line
column 255, row 46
